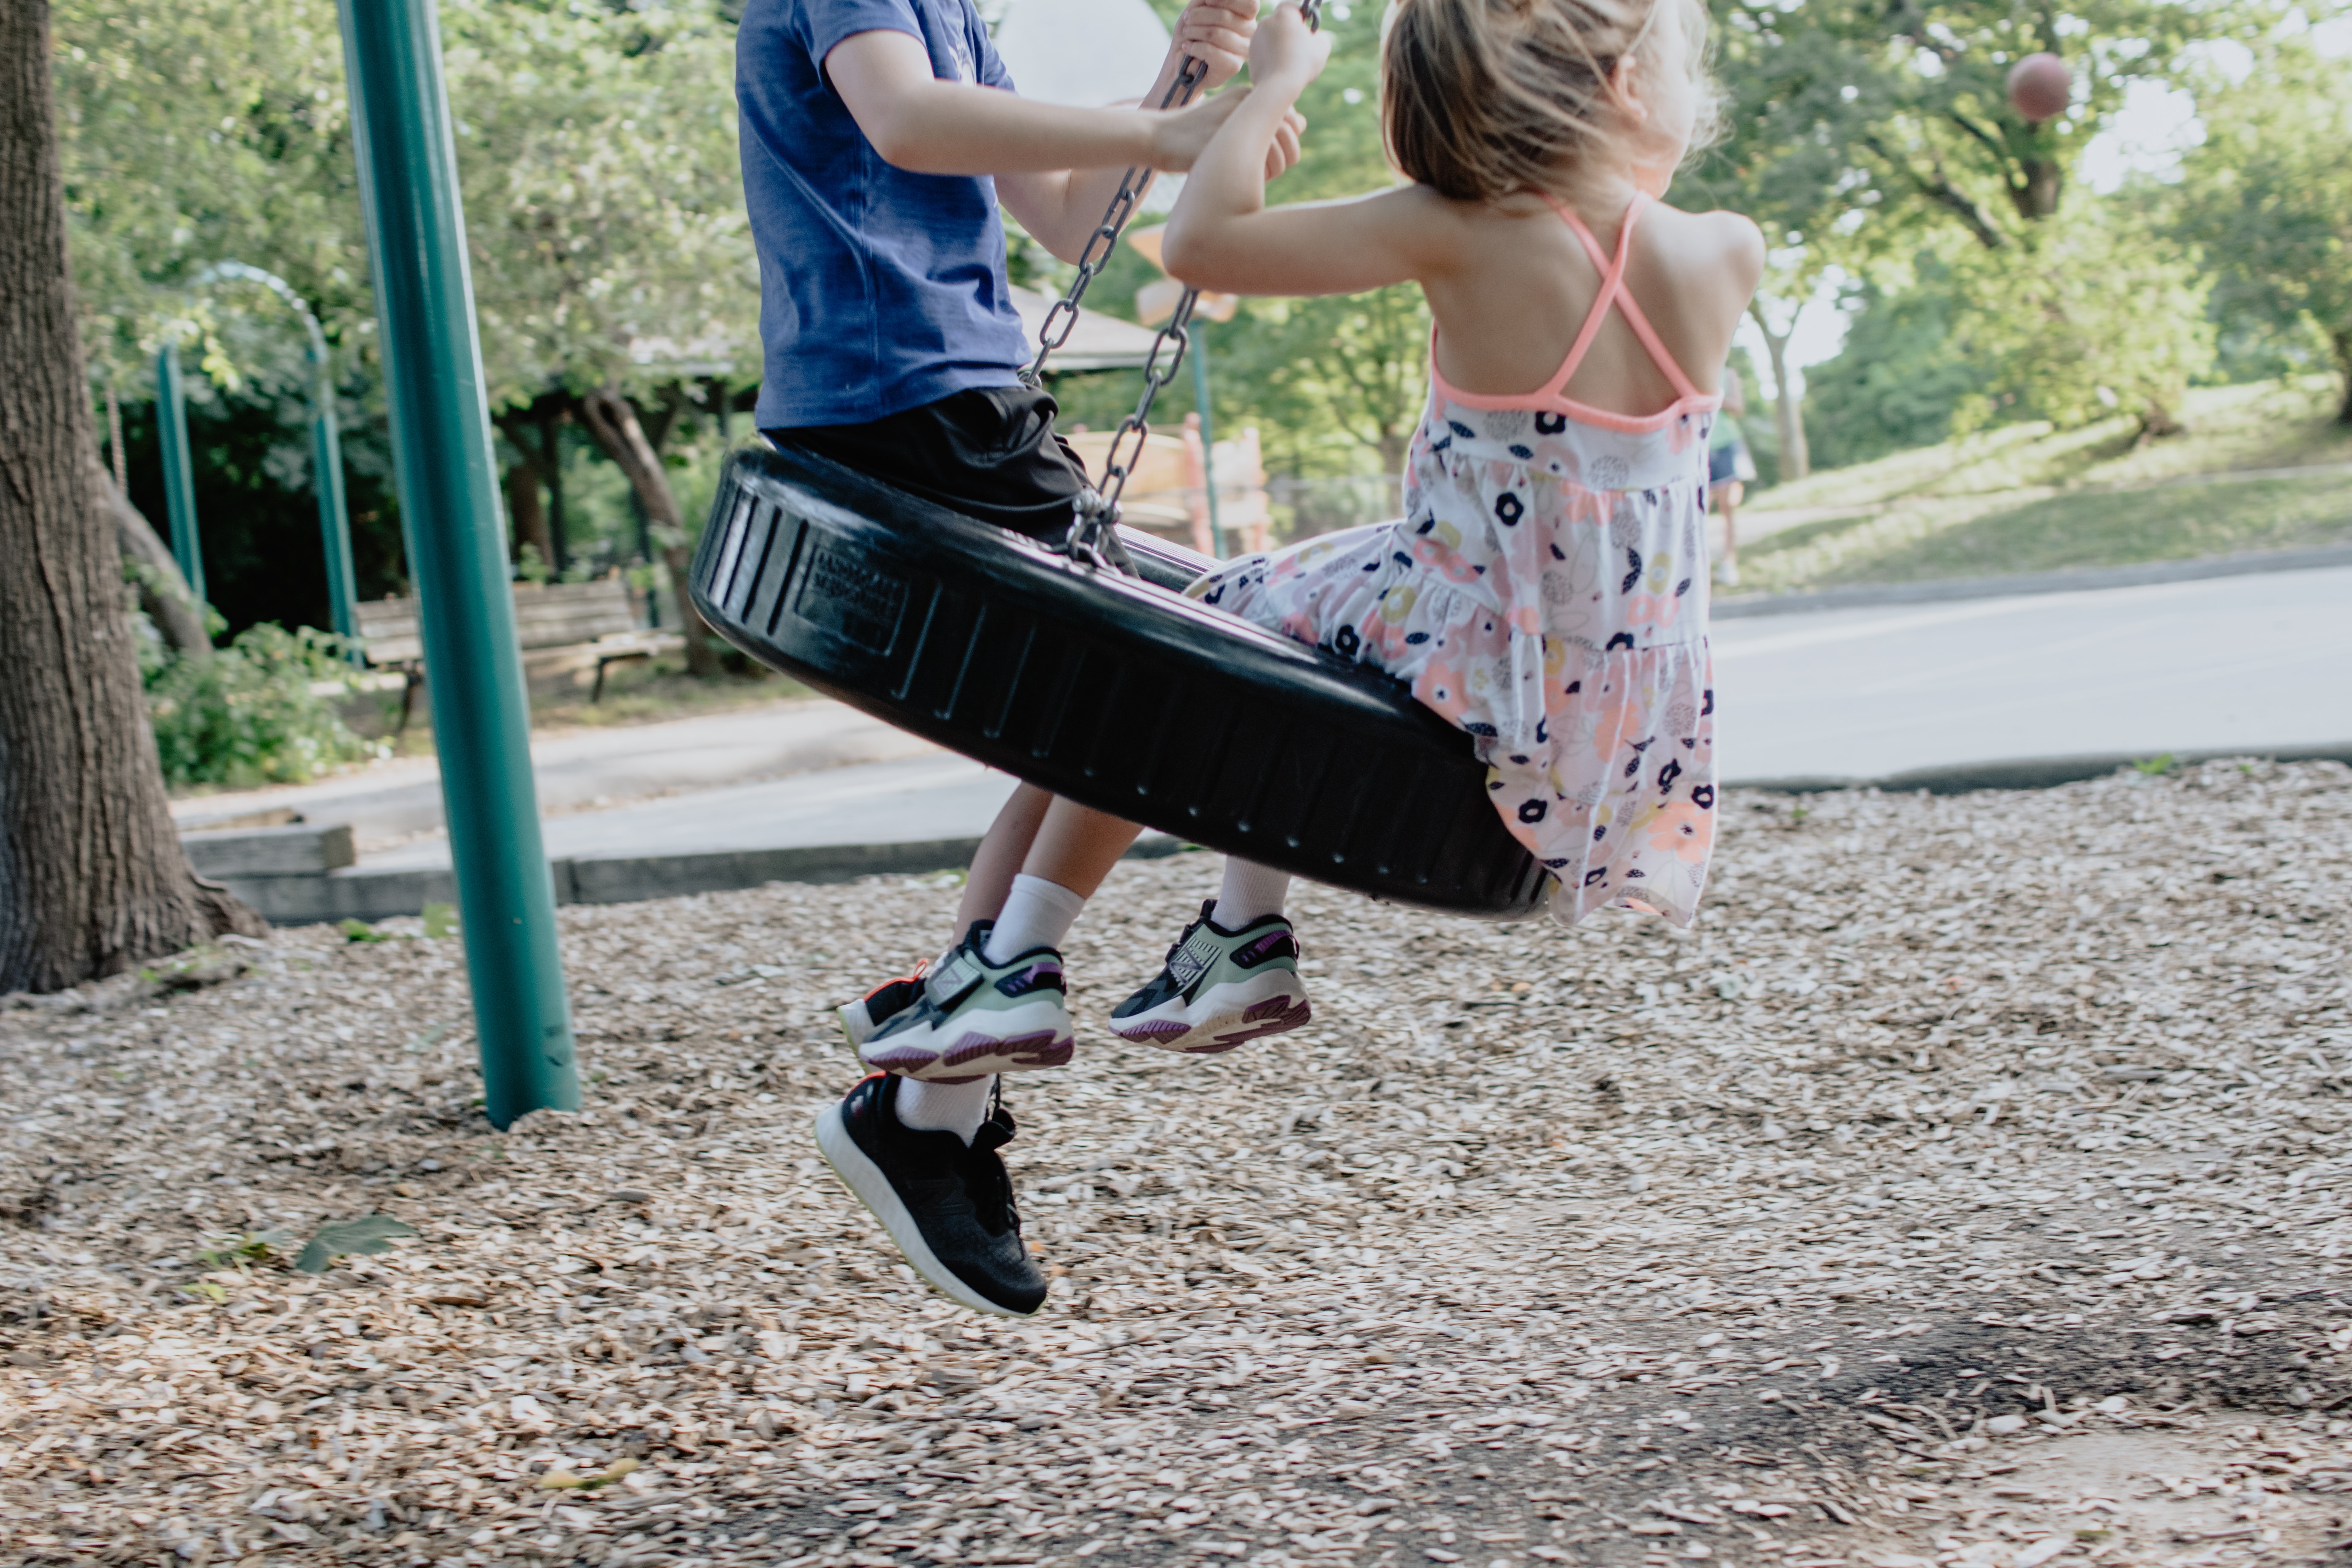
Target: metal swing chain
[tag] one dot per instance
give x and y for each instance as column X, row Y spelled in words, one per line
column 1098, row 509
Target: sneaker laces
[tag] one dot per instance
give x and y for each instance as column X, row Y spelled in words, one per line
column 1168, row 962
column 993, row 1198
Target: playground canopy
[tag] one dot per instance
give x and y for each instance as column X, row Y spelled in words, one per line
column 1097, row 343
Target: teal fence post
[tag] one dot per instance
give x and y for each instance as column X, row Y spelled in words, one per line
column 1199, row 331
column 326, row 449
column 457, row 551
column 179, row 467
column 327, row 479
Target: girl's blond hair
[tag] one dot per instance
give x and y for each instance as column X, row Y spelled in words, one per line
column 1481, row 99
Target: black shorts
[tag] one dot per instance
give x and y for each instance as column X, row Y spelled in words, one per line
column 990, row 452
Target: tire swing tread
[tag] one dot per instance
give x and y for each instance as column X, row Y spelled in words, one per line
column 1120, row 694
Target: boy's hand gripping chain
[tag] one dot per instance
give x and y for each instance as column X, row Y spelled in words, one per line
column 1098, row 509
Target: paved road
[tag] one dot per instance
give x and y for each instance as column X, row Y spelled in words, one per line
column 913, row 800
column 2241, row 661
column 2234, row 661
column 591, row 769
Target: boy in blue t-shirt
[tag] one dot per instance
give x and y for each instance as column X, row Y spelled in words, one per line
column 878, row 139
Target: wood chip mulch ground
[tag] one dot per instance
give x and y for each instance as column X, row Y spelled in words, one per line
column 1969, row 1192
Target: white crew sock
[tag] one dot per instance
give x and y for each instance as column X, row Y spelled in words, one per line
column 957, row 1108
column 1251, row 892
column 1036, row 913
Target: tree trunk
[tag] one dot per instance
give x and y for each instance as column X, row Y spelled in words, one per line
column 92, row 877
column 614, row 422
column 163, row 594
column 530, row 519
column 1796, row 458
column 2342, row 344
column 114, row 439
column 532, row 432
column 551, row 472
column 2037, row 197
column 2156, row 422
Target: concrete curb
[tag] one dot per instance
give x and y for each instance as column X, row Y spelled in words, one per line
column 2033, row 772
column 358, row 893
column 2072, row 581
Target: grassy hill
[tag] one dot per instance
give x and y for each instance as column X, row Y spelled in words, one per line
column 2028, row 499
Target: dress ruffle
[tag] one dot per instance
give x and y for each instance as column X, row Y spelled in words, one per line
column 1559, row 618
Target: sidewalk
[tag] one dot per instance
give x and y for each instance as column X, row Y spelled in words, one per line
column 2253, row 662
column 2006, row 692
column 587, row 769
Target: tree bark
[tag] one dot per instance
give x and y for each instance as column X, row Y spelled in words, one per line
column 2342, row 344
column 529, row 519
column 2156, row 422
column 163, row 594
column 92, row 877
column 551, row 473
column 532, row 432
column 2036, row 197
column 614, row 424
column 1796, row 456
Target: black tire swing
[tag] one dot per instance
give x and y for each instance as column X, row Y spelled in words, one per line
column 1115, row 692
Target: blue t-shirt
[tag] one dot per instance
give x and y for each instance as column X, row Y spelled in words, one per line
column 879, row 289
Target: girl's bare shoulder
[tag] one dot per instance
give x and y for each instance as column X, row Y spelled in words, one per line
column 1709, row 243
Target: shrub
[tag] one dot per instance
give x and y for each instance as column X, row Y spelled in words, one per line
column 260, row 710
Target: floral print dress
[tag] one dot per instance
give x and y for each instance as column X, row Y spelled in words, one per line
column 1547, row 592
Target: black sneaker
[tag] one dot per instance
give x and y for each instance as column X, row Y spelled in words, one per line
column 949, row 1207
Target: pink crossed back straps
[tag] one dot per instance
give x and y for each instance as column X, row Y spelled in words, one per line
column 1551, row 398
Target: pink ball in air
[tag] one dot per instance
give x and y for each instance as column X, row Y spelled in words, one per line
column 2039, row 87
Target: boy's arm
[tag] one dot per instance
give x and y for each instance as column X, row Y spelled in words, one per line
column 1223, row 236
column 928, row 126
column 1061, row 209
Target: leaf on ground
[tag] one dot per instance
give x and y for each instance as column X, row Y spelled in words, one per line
column 440, row 920
column 360, row 930
column 368, row 1233
column 561, row 1479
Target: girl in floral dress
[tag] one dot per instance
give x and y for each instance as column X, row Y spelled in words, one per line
column 1547, row 588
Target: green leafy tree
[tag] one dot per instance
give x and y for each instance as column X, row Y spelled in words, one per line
column 1895, row 383
column 612, row 264
column 1792, row 123
column 1935, row 125
column 1859, row 131
column 2270, row 195
column 2094, row 311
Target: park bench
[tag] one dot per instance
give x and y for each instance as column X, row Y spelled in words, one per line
column 559, row 626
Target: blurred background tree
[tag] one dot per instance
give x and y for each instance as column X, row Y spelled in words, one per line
column 2269, row 197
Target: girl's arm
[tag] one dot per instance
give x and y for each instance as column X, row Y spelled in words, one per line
column 1221, row 234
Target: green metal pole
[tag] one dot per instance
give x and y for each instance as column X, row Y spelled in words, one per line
column 334, row 512
column 326, row 448
column 457, row 551
column 179, row 467
column 1200, row 330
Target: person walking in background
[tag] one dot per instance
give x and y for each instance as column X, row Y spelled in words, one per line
column 1730, row 469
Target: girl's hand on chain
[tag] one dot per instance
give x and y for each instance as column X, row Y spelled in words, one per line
column 1287, row 54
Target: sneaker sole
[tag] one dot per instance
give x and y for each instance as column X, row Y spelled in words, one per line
column 1222, row 1017
column 866, row 1182
column 857, row 1025
column 1038, row 1036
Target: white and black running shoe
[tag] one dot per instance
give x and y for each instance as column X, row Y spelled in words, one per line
column 949, row 1208
column 1219, row 989
column 975, row 1018
column 860, row 1018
